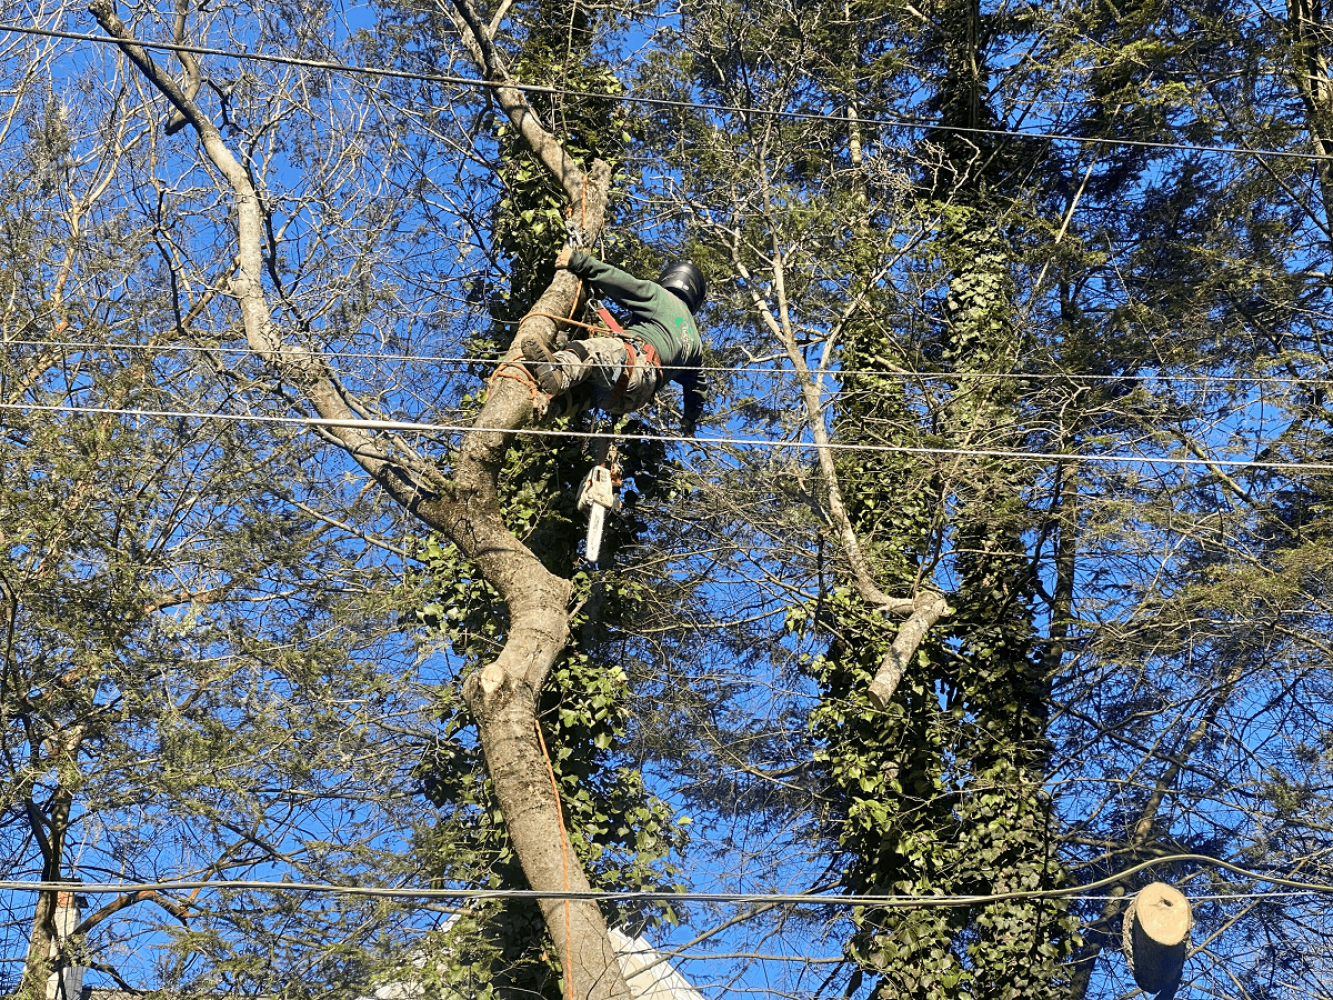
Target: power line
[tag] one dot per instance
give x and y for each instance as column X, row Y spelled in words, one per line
column 463, row 81
column 437, row 429
column 739, row 898
column 460, row 362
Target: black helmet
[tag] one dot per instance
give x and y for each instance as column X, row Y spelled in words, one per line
column 687, row 282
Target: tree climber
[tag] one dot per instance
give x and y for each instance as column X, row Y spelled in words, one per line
column 660, row 343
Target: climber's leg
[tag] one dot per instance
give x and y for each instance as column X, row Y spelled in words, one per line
column 601, row 360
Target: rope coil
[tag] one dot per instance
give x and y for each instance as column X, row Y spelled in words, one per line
column 516, row 371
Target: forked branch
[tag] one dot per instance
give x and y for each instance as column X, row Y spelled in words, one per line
column 502, row 695
column 922, row 610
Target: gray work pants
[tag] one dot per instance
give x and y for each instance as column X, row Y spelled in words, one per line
column 600, row 361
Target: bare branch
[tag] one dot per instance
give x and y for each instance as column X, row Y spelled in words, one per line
column 188, row 62
column 567, row 170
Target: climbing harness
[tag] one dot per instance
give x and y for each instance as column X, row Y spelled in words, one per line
column 643, row 347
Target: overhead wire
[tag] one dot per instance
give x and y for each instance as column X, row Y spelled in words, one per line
column 885, row 901
column 474, row 82
column 406, row 426
column 461, row 362
column 348, row 68
column 333, row 66
column 905, row 901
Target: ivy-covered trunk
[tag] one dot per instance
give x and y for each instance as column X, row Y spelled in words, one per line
column 942, row 792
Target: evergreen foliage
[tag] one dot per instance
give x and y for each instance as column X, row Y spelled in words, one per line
column 1099, row 347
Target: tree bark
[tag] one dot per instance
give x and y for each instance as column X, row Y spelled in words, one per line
column 503, row 695
column 39, row 964
column 1308, row 35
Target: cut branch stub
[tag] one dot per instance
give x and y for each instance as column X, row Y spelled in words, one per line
column 1156, row 935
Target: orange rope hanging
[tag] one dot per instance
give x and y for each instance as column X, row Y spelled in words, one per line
column 573, row 322
column 564, row 861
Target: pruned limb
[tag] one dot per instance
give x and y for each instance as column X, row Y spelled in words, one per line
column 1155, row 937
column 928, row 609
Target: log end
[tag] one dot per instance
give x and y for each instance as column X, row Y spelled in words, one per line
column 1155, row 936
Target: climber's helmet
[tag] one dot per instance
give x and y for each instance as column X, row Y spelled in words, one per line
column 687, row 282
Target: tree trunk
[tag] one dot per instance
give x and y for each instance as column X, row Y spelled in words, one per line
column 505, row 710
column 503, row 695
column 39, row 966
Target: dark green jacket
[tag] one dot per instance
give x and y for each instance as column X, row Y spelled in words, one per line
column 655, row 315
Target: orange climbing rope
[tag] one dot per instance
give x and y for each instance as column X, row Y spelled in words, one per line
column 573, row 322
column 564, row 860
column 515, row 370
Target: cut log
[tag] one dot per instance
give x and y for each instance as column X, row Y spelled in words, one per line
column 1156, row 935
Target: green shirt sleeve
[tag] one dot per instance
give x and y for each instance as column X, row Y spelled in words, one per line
column 647, row 298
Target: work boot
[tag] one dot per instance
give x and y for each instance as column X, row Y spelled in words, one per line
column 541, row 362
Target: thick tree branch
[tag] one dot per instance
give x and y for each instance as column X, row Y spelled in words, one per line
column 128, row 899
column 928, row 608
column 503, row 695
column 477, row 38
column 921, row 611
column 406, row 478
column 188, row 62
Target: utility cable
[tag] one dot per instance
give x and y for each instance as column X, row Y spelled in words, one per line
column 1210, row 464
column 463, row 81
column 1259, row 379
column 804, row 899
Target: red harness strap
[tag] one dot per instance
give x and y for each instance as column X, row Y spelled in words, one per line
column 648, row 351
column 633, row 348
column 610, row 320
